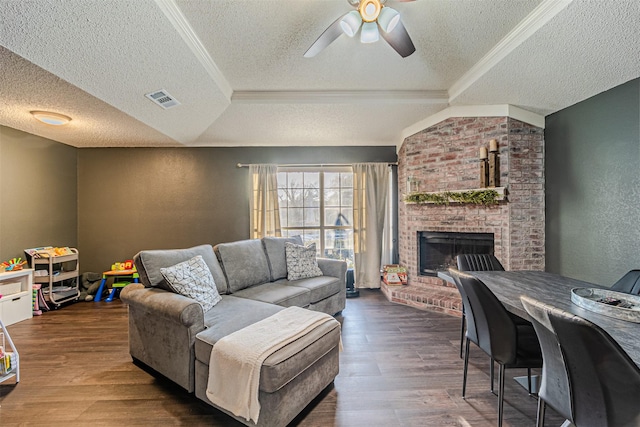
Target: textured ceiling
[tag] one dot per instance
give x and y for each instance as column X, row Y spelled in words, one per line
column 236, row 67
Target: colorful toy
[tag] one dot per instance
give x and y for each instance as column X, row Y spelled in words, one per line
column 14, row 264
column 62, row 251
column 121, row 266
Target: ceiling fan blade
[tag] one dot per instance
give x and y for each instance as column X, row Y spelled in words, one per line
column 326, row 38
column 399, row 40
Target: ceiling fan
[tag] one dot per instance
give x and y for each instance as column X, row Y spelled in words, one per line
column 375, row 19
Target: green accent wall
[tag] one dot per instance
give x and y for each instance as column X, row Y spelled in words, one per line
column 38, row 193
column 593, row 186
column 132, row 199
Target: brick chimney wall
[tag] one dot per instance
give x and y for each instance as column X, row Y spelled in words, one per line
column 446, row 157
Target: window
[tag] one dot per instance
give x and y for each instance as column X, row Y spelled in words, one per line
column 318, row 205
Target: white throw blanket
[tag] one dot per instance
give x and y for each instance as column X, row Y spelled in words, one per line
column 236, row 360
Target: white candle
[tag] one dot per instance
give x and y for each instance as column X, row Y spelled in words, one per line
column 483, row 153
column 493, row 145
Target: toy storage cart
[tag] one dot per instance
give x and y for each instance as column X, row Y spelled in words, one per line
column 58, row 275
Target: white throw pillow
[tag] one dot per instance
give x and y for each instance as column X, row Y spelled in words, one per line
column 193, row 279
column 301, row 261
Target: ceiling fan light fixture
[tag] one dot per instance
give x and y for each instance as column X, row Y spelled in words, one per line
column 368, row 16
column 351, row 22
column 369, row 10
column 388, row 19
column 54, row 119
column 369, row 33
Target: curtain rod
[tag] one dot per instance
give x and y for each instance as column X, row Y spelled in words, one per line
column 311, row 165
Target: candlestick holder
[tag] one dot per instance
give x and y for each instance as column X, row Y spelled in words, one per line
column 484, row 173
column 494, row 169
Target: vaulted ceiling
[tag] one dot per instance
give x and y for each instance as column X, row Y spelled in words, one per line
column 237, row 67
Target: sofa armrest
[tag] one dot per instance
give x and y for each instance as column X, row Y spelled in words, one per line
column 333, row 267
column 162, row 331
column 173, row 307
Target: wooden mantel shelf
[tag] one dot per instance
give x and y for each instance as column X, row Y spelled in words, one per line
column 446, row 197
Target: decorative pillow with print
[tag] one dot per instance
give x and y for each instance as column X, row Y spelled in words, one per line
column 193, row 279
column 301, row 261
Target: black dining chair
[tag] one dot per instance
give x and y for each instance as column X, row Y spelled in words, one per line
column 586, row 376
column 629, row 283
column 476, row 262
column 510, row 344
column 468, row 323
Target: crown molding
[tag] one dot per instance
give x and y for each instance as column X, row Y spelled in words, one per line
column 503, row 110
column 526, row 116
column 538, row 18
column 182, row 26
column 341, row 97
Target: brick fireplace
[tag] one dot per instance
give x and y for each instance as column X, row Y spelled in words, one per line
column 446, row 157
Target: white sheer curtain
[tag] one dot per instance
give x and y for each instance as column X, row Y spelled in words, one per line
column 370, row 198
column 264, row 209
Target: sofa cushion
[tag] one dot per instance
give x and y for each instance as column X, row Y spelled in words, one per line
column 149, row 263
column 277, row 293
column 301, row 261
column 320, row 287
column 244, row 263
column 274, row 248
column 193, row 279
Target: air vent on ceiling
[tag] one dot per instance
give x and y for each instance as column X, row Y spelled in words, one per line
column 163, row 99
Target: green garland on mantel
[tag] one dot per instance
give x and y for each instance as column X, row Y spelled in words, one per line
column 476, row 197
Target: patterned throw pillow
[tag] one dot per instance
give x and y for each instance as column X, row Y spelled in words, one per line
column 301, row 261
column 193, row 279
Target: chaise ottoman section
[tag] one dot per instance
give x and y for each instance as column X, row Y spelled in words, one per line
column 290, row 378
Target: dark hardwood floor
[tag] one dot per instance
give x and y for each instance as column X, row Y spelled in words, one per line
column 400, row 367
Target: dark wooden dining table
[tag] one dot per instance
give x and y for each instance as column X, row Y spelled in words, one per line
column 554, row 289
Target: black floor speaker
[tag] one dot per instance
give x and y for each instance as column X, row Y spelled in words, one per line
column 352, row 292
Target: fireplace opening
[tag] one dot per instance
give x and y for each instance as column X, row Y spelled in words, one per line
column 437, row 250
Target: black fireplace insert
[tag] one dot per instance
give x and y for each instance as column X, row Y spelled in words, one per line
column 437, row 250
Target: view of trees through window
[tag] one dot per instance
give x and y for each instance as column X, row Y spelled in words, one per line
column 318, row 205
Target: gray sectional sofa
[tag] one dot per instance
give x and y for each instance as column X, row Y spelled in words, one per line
column 171, row 334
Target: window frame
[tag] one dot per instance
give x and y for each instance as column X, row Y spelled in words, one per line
column 322, row 227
